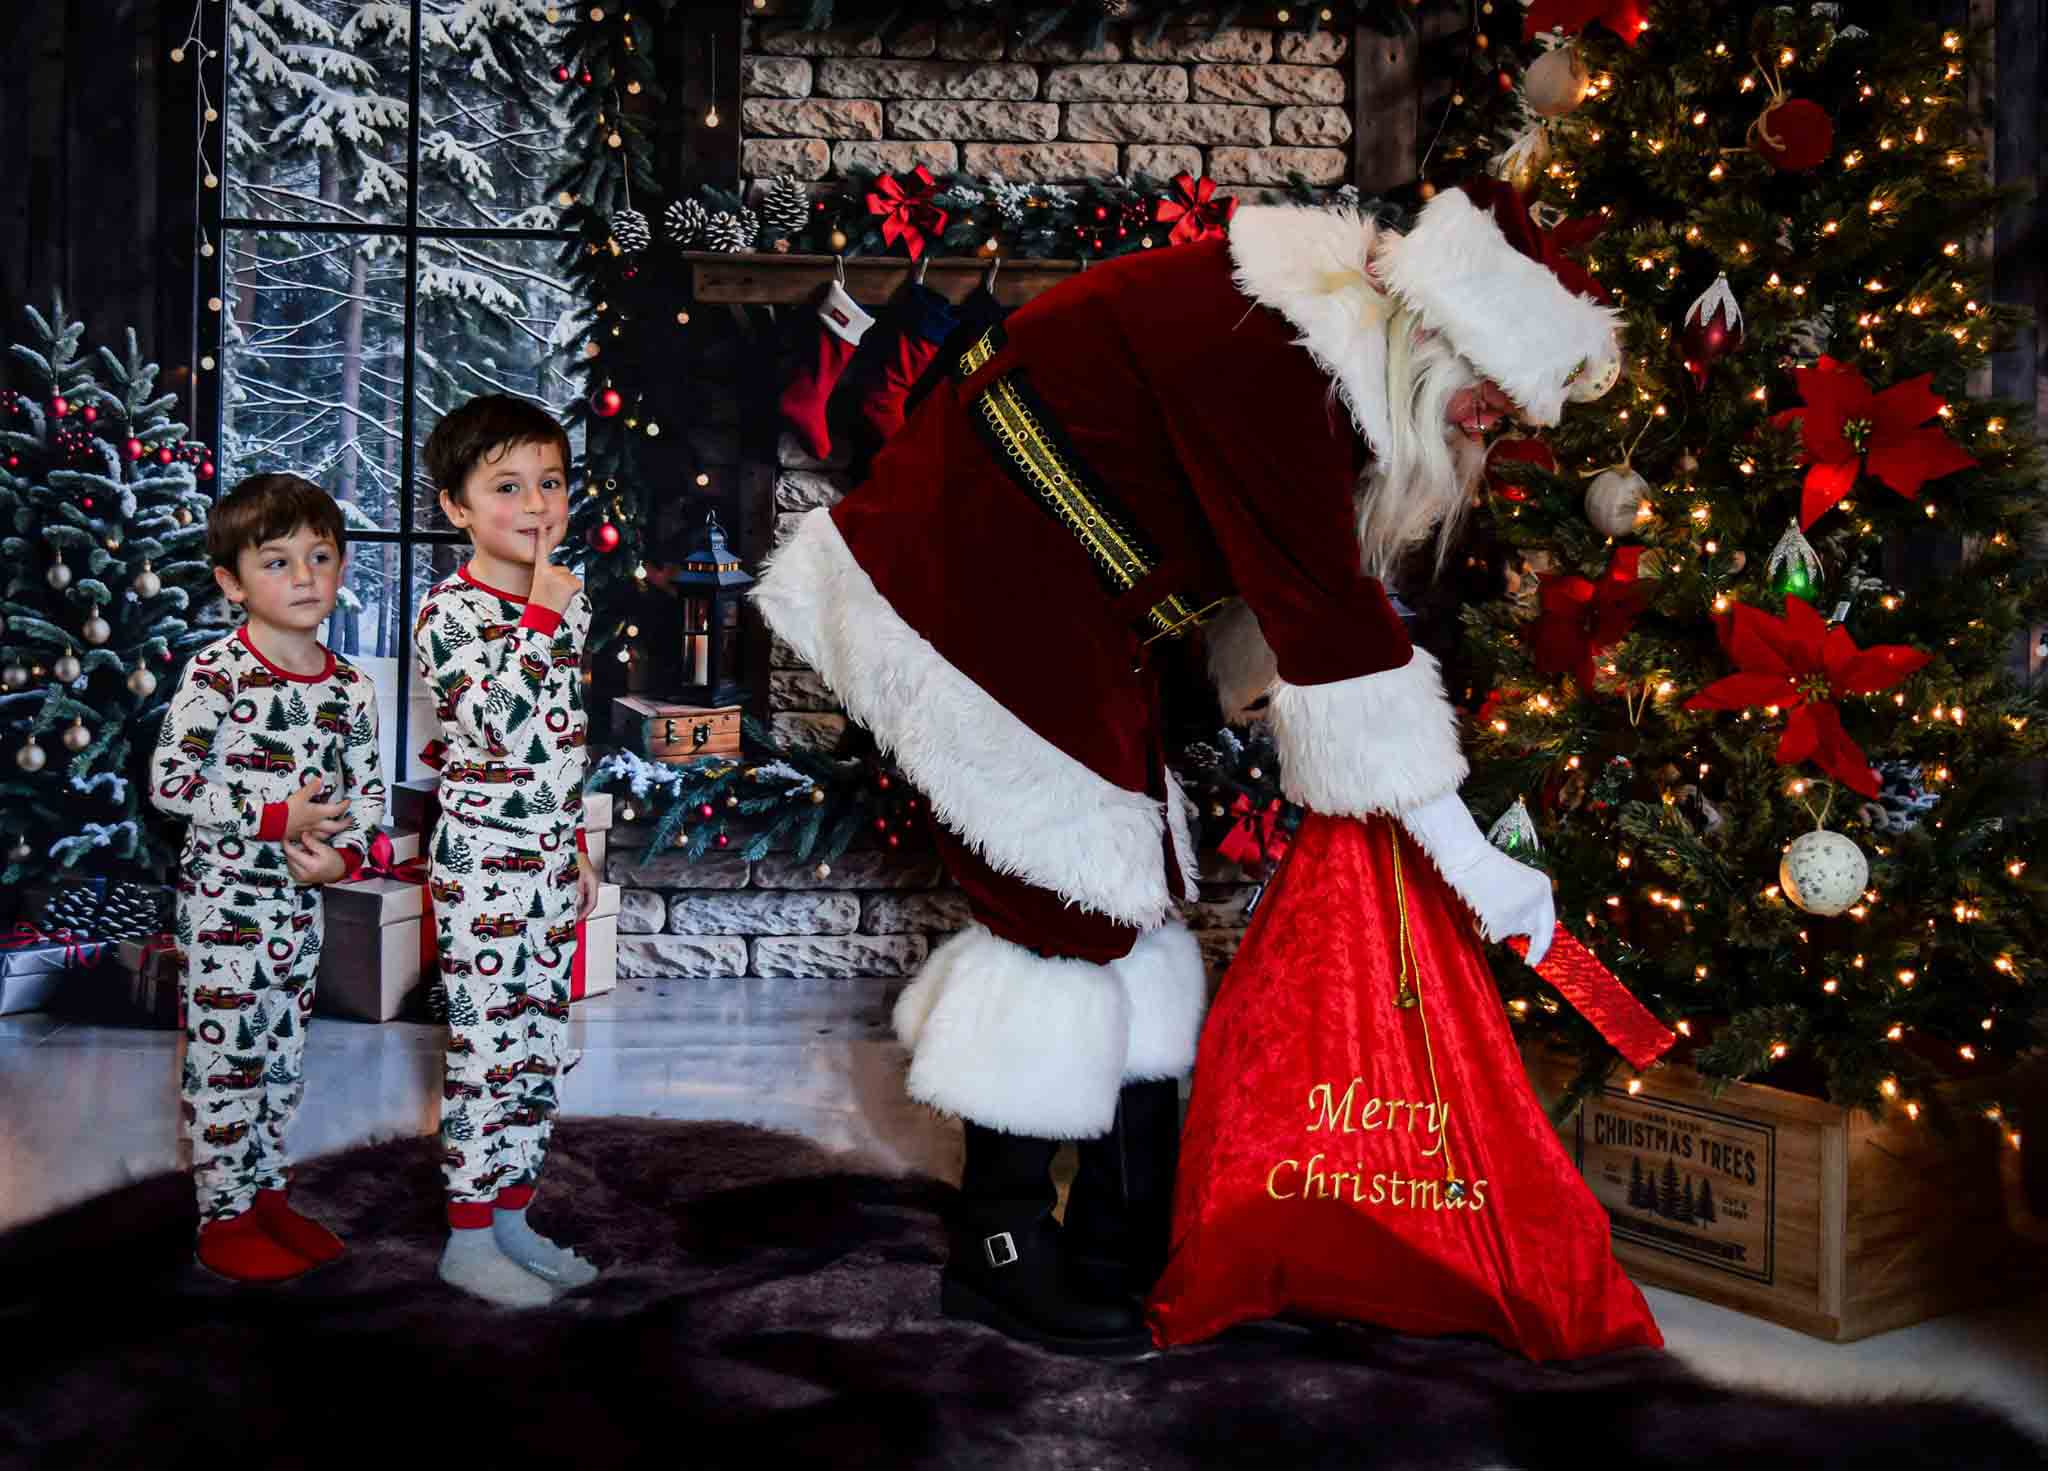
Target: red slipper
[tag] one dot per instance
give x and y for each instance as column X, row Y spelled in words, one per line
column 240, row 1250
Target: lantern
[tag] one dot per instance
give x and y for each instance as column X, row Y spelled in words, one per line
column 710, row 586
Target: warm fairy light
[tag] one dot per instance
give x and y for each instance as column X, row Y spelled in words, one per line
column 1941, row 773
column 1994, row 426
column 1772, row 892
column 1743, row 247
column 1684, row 1029
column 1851, row 159
column 1830, row 227
column 1884, row 144
column 1717, row 173
column 1699, row 972
column 1907, row 977
column 1967, row 1053
column 1573, row 764
column 1692, row 232
column 1721, row 603
column 1895, row 1033
column 1749, row 84
column 1988, row 1024
column 1665, row 687
column 1500, row 727
column 1951, row 41
column 1699, row 117
column 1519, row 1007
column 1614, row 901
column 1919, row 135
column 1779, row 1049
column 1799, row 290
column 1622, row 860
column 1889, row 1087
column 1635, row 1086
column 1797, row 789
column 1772, row 279
column 1913, row 1111
column 1787, row 56
column 1831, row 985
column 1747, row 467
column 1874, row 284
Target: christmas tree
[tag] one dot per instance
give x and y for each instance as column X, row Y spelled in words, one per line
column 104, row 498
column 1752, row 678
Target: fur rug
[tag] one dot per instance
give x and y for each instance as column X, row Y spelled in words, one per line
column 763, row 1309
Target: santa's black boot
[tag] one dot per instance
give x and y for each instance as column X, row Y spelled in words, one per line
column 1006, row 1268
column 1120, row 1207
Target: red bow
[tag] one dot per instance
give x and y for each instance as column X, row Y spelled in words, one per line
column 1193, row 211
column 1582, row 619
column 907, row 212
column 382, row 863
column 1800, row 664
column 1623, row 17
column 79, row 950
column 1843, row 422
column 1254, row 837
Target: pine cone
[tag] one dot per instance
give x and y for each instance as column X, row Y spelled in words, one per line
column 685, row 221
column 786, row 208
column 726, row 232
column 629, row 228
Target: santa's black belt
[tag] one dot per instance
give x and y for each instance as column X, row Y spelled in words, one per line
column 1026, row 440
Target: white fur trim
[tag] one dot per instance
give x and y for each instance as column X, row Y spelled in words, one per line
column 1383, row 742
column 1242, row 665
column 1016, row 1041
column 1311, row 266
column 844, row 317
column 1507, row 313
column 1179, row 810
column 1023, row 804
column 1168, row 990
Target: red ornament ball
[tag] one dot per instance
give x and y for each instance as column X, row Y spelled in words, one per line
column 1704, row 343
column 881, row 824
column 206, row 470
column 1101, row 212
column 89, row 414
column 86, row 502
column 561, row 74
column 1505, row 82
column 1795, row 136
column 13, row 462
column 882, row 782
column 604, row 537
column 722, row 841
column 705, row 810
column 584, row 78
column 607, row 403
column 136, row 448
column 60, row 406
column 164, row 456
column 894, row 841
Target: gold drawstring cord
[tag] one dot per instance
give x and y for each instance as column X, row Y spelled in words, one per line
column 1408, row 996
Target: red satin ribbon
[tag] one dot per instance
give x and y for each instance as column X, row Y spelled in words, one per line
column 1596, row 995
column 907, row 214
column 1254, row 838
column 79, row 950
column 380, row 865
column 1194, row 212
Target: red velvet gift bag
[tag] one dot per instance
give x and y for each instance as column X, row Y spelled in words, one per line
column 1362, row 1142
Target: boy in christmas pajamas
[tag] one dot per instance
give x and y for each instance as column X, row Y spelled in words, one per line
column 501, row 645
column 270, row 752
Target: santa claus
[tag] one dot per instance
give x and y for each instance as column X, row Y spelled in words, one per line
column 1239, row 436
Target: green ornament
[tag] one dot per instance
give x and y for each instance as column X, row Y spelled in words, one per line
column 1794, row 568
column 1515, row 831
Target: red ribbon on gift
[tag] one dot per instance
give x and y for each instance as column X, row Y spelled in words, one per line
column 1254, row 837
column 1597, row 996
column 1193, row 210
column 906, row 211
column 79, row 950
column 577, row 983
column 382, row 864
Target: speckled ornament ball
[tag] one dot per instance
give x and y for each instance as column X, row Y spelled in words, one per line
column 1556, row 82
column 1823, row 872
column 1615, row 500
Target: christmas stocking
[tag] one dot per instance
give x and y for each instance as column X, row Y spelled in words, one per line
column 841, row 324
column 974, row 316
column 919, row 320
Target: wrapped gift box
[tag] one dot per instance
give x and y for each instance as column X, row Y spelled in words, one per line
column 596, row 970
column 597, row 825
column 416, row 803
column 378, row 943
column 36, row 965
column 156, row 970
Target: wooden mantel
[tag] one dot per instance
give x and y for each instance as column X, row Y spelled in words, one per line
column 764, row 278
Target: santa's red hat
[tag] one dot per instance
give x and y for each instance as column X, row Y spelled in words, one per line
column 1474, row 268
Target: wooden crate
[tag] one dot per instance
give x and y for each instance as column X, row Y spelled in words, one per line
column 1822, row 1219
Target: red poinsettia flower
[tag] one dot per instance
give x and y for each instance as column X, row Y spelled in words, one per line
column 906, row 210
column 1582, row 619
column 1802, row 665
column 1845, row 428
column 1623, row 17
column 1193, row 210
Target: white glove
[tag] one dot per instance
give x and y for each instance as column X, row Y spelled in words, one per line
column 1508, row 898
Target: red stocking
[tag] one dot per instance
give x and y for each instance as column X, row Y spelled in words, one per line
column 921, row 318
column 841, row 323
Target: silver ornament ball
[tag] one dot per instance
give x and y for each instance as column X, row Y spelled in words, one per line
column 1556, row 82
column 59, row 576
column 1616, row 500
column 1823, row 872
column 147, row 584
column 65, row 667
column 97, row 630
column 77, row 737
column 141, row 682
column 31, row 757
column 14, row 677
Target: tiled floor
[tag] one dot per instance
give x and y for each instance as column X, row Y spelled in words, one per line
column 84, row 1108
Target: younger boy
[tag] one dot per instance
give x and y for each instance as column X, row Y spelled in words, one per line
column 501, row 644
column 270, row 752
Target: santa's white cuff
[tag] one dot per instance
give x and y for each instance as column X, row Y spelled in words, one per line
column 1385, row 742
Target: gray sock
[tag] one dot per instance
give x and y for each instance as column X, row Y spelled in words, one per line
column 474, row 1262
column 540, row 1256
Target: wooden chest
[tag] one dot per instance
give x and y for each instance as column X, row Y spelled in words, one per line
column 664, row 731
column 1792, row 1209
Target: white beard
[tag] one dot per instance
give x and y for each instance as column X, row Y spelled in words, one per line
column 1423, row 483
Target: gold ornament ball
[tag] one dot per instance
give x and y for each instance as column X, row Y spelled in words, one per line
column 1254, row 773
column 65, row 667
column 97, row 630
column 839, row 240
column 732, row 801
column 77, row 737
column 14, row 677
column 59, row 576
column 817, row 795
column 823, row 870
column 141, row 683
column 184, row 517
column 1215, row 809
column 1556, row 82
column 31, row 757
column 147, row 583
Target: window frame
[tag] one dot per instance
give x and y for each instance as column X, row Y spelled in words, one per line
column 210, row 282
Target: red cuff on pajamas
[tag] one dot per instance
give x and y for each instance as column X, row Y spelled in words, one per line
column 582, row 842
column 275, row 816
column 352, row 861
column 517, row 1198
column 468, row 1215
column 541, row 620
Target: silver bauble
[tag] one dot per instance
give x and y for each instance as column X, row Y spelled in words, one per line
column 141, row 683
column 1616, row 500
column 76, row 736
column 14, row 677
column 147, row 584
column 1823, row 872
column 64, row 668
column 1556, row 82
column 59, row 575
column 31, row 757
column 97, row 630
